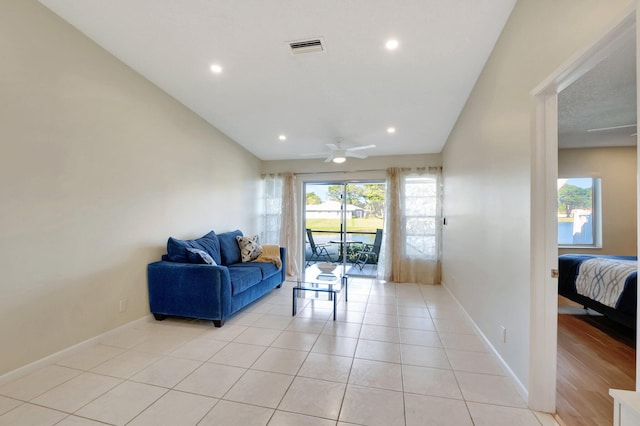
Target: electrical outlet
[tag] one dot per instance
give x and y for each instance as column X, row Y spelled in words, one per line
column 504, row 333
column 123, row 305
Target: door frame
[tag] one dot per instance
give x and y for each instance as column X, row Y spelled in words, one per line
column 336, row 181
column 544, row 174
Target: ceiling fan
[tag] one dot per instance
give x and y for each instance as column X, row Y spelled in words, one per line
column 338, row 154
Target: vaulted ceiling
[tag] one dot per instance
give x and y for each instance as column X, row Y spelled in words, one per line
column 355, row 88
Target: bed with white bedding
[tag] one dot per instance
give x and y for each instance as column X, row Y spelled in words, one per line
column 606, row 284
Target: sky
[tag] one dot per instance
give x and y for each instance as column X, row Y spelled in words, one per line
column 319, row 189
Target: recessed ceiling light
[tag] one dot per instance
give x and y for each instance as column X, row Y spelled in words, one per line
column 391, row 44
column 282, row 137
column 391, row 130
column 216, row 69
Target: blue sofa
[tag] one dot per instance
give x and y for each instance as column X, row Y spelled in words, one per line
column 181, row 284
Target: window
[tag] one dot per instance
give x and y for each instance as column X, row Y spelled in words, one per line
column 579, row 212
column 421, row 217
column 272, row 213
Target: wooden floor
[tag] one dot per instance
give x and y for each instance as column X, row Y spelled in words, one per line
column 594, row 354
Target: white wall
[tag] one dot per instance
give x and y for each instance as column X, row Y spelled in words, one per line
column 487, row 168
column 98, row 168
column 617, row 167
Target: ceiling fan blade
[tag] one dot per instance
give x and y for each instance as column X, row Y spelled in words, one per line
column 358, row 148
column 332, row 146
column 355, row 154
column 602, row 129
column 329, row 158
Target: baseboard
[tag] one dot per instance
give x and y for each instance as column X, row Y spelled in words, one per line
column 522, row 390
column 51, row 359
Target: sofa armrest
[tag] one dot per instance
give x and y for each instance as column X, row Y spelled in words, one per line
column 189, row 290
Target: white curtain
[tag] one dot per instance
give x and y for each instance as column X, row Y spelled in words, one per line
column 413, row 226
column 272, row 206
column 280, row 210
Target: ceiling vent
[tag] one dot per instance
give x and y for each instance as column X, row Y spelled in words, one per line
column 306, row 46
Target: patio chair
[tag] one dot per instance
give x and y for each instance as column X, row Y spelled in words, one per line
column 318, row 251
column 369, row 252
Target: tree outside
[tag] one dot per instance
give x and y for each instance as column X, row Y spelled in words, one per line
column 368, row 196
column 313, row 198
column 572, row 197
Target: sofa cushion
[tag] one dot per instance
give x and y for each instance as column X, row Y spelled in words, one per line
column 177, row 249
column 199, row 256
column 267, row 269
column 250, row 248
column 243, row 278
column 229, row 249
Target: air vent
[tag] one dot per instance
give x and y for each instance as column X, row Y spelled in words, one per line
column 306, row 46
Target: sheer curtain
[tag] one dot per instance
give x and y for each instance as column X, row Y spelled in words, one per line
column 280, row 218
column 413, row 232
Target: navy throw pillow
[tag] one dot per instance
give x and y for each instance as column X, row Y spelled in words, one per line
column 229, row 249
column 177, row 249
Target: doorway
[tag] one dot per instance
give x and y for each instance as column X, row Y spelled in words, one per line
column 544, row 248
column 343, row 223
column 597, row 169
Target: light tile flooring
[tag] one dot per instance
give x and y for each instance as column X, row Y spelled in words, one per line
column 399, row 354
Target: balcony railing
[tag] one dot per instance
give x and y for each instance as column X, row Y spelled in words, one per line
column 354, row 243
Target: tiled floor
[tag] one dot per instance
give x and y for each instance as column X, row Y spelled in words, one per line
column 399, row 354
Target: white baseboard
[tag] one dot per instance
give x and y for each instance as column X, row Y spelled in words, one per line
column 522, row 390
column 51, row 359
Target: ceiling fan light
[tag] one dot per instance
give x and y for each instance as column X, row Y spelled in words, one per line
column 339, row 159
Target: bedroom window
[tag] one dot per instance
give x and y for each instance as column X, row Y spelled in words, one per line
column 579, row 212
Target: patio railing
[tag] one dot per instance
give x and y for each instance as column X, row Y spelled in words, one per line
column 355, row 241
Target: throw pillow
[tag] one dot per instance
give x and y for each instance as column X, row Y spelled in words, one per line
column 177, row 249
column 199, row 256
column 229, row 249
column 250, row 248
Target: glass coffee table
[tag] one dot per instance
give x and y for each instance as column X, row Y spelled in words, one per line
column 314, row 279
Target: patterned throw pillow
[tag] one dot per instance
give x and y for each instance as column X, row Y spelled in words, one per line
column 250, row 248
column 200, row 256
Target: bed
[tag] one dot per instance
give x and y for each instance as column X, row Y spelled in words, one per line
column 606, row 284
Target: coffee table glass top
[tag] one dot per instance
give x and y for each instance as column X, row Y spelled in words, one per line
column 313, row 275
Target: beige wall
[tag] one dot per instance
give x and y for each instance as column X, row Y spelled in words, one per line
column 617, row 169
column 487, row 169
column 98, row 168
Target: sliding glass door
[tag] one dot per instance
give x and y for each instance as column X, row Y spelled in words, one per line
column 343, row 223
